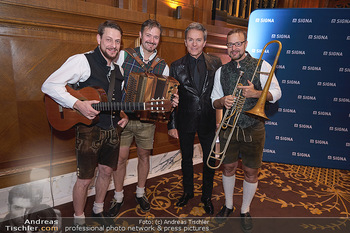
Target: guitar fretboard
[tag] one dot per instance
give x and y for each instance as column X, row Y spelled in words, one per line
column 112, row 106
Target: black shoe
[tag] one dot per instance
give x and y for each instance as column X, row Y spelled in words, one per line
column 115, row 207
column 144, row 203
column 246, row 221
column 224, row 212
column 102, row 218
column 208, row 206
column 184, row 199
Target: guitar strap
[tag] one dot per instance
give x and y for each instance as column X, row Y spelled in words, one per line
column 134, row 55
column 111, row 84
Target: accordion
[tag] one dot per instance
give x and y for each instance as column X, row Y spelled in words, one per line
column 143, row 87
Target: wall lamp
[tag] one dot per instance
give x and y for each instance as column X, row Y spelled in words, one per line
column 177, row 12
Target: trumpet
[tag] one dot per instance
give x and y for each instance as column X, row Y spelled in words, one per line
column 235, row 111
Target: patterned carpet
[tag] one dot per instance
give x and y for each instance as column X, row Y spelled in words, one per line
column 289, row 197
column 283, row 191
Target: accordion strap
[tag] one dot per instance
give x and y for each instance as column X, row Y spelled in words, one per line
column 134, row 55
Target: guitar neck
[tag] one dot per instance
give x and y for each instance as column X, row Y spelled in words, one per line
column 113, row 106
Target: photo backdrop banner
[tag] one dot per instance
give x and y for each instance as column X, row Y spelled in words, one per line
column 310, row 124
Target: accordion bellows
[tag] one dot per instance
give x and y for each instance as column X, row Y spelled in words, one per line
column 143, row 87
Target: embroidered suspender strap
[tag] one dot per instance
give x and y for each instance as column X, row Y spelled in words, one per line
column 134, row 55
column 111, row 84
column 156, row 60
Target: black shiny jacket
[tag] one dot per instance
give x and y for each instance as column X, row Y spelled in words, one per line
column 195, row 111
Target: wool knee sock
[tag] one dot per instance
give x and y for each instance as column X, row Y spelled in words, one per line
column 249, row 190
column 228, row 183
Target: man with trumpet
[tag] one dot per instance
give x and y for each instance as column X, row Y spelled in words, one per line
column 248, row 136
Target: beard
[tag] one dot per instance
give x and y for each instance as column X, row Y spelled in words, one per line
column 237, row 56
column 148, row 46
column 104, row 52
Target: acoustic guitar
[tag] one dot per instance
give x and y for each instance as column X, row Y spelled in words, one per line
column 63, row 119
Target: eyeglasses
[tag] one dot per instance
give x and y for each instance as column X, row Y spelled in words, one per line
column 237, row 44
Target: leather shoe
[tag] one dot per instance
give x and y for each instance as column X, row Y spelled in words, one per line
column 246, row 221
column 208, row 206
column 224, row 212
column 102, row 218
column 144, row 203
column 184, row 199
column 115, row 207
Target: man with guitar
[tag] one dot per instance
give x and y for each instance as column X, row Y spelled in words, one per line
column 138, row 60
column 96, row 145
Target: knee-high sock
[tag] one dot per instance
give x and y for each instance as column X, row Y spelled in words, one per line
column 249, row 190
column 228, row 183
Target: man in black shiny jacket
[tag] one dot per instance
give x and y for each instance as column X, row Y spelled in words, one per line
column 195, row 114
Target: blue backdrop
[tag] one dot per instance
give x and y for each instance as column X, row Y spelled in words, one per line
column 310, row 124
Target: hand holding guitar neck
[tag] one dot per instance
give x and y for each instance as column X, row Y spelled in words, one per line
column 85, row 108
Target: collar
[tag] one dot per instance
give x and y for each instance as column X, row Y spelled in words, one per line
column 143, row 54
column 102, row 58
column 193, row 60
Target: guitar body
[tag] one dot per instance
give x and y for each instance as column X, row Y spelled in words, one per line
column 62, row 118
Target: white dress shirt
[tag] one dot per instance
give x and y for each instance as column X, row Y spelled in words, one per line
column 75, row 69
column 274, row 89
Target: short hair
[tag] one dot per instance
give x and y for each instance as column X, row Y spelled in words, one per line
column 43, row 212
column 20, row 191
column 108, row 24
column 151, row 23
column 238, row 31
column 198, row 27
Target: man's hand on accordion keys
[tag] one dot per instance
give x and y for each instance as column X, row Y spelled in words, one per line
column 174, row 100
